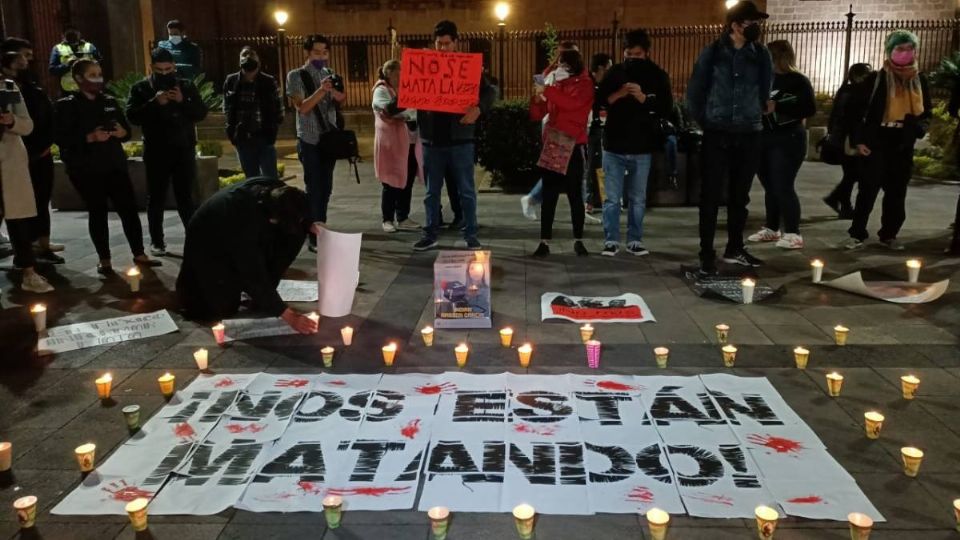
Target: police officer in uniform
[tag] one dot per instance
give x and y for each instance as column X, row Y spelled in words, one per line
column 68, row 51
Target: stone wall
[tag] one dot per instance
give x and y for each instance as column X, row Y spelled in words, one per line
column 783, row 11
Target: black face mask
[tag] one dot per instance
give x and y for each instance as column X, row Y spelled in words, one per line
column 249, row 64
column 752, row 32
column 164, row 81
column 71, row 37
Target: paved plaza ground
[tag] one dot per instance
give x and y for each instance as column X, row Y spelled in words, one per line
column 48, row 406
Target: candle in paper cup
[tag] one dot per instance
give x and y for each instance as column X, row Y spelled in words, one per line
column 860, row 526
column 131, row 413
column 427, row 333
column 26, row 509
column 103, row 386
column 729, row 355
column 137, row 511
column 834, row 383
column 723, row 332
column 586, row 332
column 766, row 521
column 909, row 385
column 801, row 356
column 86, row 456
column 956, row 512
column 133, row 277
column 167, row 383
column 347, row 334
column 662, row 354
column 523, row 516
column 218, row 331
column 389, row 353
column 593, row 354
column 524, row 351
column 506, row 336
column 816, row 268
column 332, row 510
column 39, row 314
column 439, row 521
column 201, row 356
column 6, row 456
column 912, row 457
column 913, row 270
column 873, row 423
column 461, row 351
column 840, row 334
column 657, row 521
column 327, row 354
column 747, row 286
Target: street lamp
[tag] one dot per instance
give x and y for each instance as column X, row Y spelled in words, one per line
column 502, row 10
column 281, row 17
column 731, row 3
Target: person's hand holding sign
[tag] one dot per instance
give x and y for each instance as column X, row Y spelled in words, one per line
column 470, row 116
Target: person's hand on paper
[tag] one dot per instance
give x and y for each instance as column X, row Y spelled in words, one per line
column 300, row 323
column 316, row 227
column 470, row 116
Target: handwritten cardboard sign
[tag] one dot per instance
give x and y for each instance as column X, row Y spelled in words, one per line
column 439, row 81
column 105, row 332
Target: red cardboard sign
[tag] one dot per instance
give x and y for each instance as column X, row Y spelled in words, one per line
column 439, row 81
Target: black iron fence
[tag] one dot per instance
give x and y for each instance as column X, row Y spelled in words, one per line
column 820, row 48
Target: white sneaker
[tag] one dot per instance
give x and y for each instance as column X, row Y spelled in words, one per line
column 35, row 283
column 529, row 210
column 408, row 225
column 389, row 227
column 790, row 241
column 764, row 235
column 592, row 219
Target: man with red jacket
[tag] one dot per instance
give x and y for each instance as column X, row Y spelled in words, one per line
column 568, row 102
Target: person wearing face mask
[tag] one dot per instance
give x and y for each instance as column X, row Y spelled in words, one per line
column 187, row 55
column 892, row 107
column 68, row 51
column 638, row 95
column 38, row 144
column 727, row 95
column 252, row 107
column 89, row 128
column 168, row 108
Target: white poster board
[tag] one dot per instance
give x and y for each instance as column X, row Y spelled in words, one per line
column 898, row 292
column 338, row 271
column 105, row 332
column 626, row 308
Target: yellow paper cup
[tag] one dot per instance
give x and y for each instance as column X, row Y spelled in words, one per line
column 729, row 355
column 439, row 521
column 909, row 385
column 873, row 423
column 26, row 509
column 801, row 356
column 658, row 521
column 586, row 333
column 137, row 511
column 506, row 336
column 840, row 334
column 834, row 383
column 427, row 334
column 723, row 332
column 6, row 456
column 766, row 522
column 860, row 526
column 912, row 458
column 663, row 355
column 523, row 517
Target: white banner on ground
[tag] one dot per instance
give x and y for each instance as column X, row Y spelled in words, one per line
column 710, row 446
column 106, row 332
column 297, row 291
column 626, row 308
column 898, row 292
column 338, row 271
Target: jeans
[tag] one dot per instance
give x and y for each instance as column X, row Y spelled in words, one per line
column 456, row 164
column 96, row 189
column 395, row 202
column 571, row 183
column 41, row 175
column 317, row 177
column 783, row 153
column 888, row 167
column 736, row 158
column 257, row 157
column 624, row 176
column 163, row 164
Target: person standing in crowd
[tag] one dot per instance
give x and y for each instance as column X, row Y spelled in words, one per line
column 89, row 128
column 254, row 112
column 784, row 148
column 599, row 65
column 448, row 151
column 894, row 109
column 38, row 143
column 187, row 55
column 168, row 108
column 317, row 93
column 637, row 93
column 242, row 240
column 566, row 103
column 727, row 95
column 396, row 151
column 68, row 51
column 18, row 206
column 840, row 126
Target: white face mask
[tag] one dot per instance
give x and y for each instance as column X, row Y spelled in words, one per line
column 95, row 79
column 176, row 39
column 560, row 74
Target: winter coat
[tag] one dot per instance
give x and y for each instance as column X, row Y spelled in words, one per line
column 18, row 200
column 568, row 106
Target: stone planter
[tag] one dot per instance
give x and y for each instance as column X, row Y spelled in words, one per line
column 814, row 134
column 65, row 197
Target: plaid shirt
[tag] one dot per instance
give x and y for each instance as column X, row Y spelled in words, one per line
column 309, row 128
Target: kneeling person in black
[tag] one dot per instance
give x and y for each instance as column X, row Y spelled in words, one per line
column 242, row 240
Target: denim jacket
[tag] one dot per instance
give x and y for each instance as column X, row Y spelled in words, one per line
column 729, row 87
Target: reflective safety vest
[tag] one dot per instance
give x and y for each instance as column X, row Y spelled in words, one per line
column 67, row 57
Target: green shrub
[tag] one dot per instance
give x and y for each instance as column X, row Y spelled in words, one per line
column 133, row 149
column 509, row 146
column 210, row 148
column 932, row 167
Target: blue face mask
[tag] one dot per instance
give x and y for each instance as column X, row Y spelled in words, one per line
column 319, row 64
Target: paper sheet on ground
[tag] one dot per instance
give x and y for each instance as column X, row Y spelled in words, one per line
column 338, row 271
column 241, row 329
column 106, row 332
column 297, row 291
column 728, row 287
column 898, row 292
column 626, row 308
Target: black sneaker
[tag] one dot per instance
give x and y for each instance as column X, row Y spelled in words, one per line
column 424, row 244
column 49, row 257
column 637, row 248
column 311, row 248
column 473, row 244
column 580, row 249
column 742, row 258
column 158, row 251
column 834, row 204
column 609, row 250
column 542, row 250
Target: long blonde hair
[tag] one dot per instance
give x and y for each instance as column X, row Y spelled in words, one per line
column 784, row 59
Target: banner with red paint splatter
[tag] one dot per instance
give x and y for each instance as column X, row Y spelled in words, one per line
column 626, row 308
column 710, row 446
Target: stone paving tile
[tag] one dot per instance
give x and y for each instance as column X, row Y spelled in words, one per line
column 180, row 531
